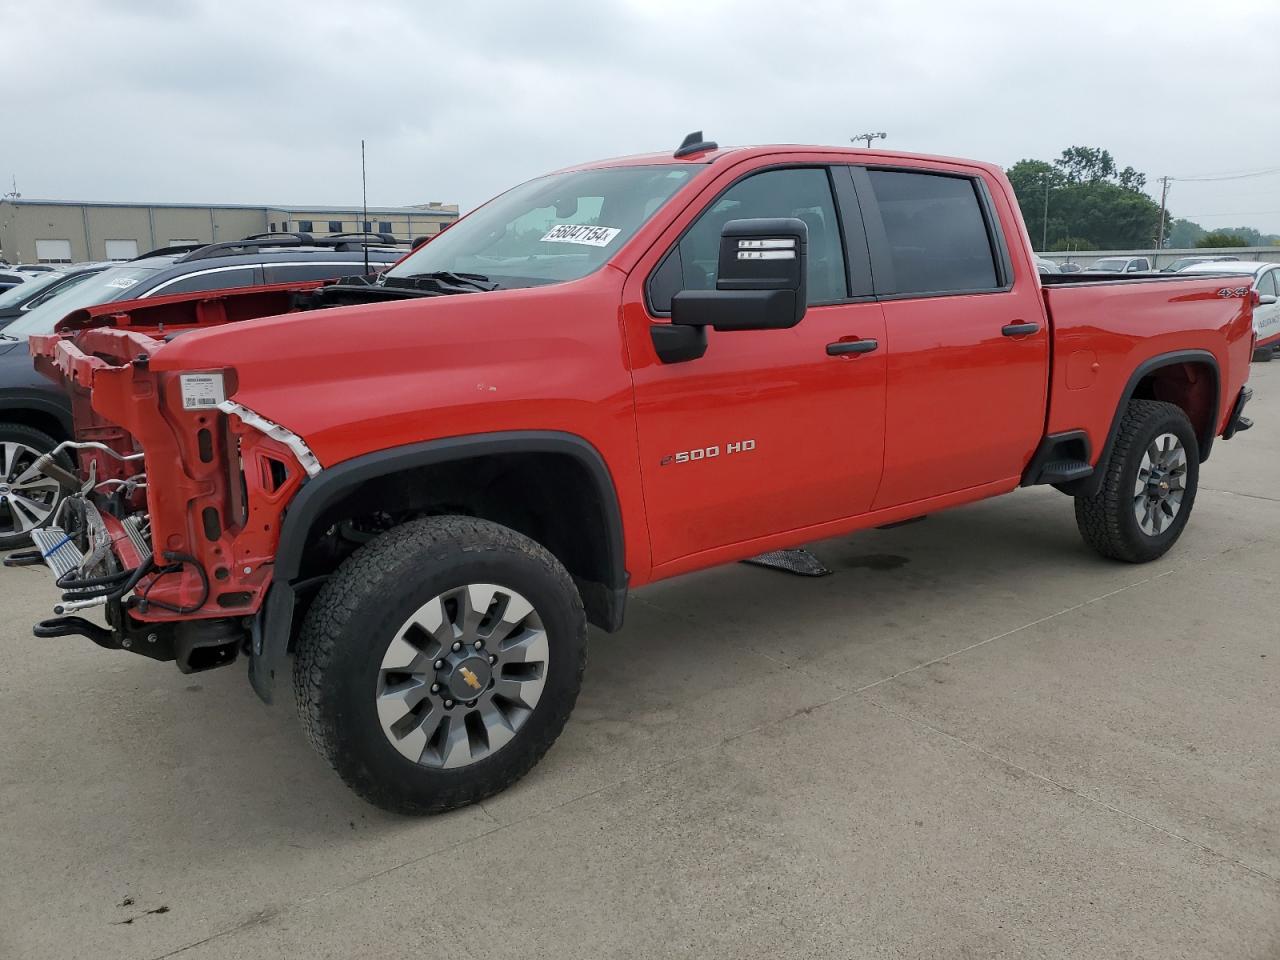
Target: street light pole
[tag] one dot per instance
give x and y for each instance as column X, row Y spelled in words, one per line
column 867, row 137
column 1164, row 195
column 1044, row 231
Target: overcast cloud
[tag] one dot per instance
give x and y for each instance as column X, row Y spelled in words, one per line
column 266, row 102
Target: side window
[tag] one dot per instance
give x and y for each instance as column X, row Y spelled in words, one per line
column 937, row 235
column 317, row 270
column 216, row 280
column 803, row 192
column 1267, row 285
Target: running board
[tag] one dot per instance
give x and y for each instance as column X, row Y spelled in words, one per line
column 798, row 561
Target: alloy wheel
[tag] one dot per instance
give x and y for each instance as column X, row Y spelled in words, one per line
column 27, row 497
column 1160, row 485
column 462, row 675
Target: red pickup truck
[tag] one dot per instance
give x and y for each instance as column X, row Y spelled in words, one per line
column 419, row 489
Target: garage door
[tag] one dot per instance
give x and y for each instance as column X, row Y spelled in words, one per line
column 53, row 251
column 122, row 249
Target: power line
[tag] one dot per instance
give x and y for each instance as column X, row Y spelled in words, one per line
column 1228, row 176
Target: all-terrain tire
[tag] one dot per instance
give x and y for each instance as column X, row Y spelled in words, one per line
column 38, row 441
column 1107, row 520
column 359, row 611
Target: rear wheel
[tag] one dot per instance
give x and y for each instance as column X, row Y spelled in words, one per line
column 440, row 662
column 1148, row 487
column 28, row 498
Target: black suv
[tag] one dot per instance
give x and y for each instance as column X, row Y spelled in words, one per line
column 35, row 415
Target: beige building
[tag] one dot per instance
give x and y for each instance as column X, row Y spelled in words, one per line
column 68, row 231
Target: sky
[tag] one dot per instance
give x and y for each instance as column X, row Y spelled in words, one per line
column 266, row 102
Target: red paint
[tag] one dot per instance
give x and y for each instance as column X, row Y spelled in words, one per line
column 947, row 411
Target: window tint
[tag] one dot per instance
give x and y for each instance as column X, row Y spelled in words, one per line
column 802, row 192
column 305, row 226
column 318, row 270
column 937, row 235
column 1267, row 285
column 217, row 280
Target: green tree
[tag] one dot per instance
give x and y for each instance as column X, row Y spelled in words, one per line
column 1184, row 233
column 1220, row 238
column 1090, row 201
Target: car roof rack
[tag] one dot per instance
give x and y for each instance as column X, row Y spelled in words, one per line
column 694, row 143
column 339, row 243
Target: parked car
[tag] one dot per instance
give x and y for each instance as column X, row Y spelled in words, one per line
column 607, row 376
column 1119, row 265
column 1070, row 267
column 11, row 278
column 20, row 300
column 34, row 268
column 35, row 415
column 1265, row 282
column 1182, row 262
column 1044, row 266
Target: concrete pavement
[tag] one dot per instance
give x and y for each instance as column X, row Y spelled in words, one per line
column 977, row 739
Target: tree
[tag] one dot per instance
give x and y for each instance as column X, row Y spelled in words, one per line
column 1090, row 202
column 1184, row 233
column 1220, row 238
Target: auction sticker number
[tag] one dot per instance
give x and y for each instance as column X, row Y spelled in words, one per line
column 202, row 390
column 580, row 233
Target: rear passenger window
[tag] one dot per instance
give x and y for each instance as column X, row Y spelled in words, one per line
column 802, row 192
column 317, row 270
column 214, row 280
column 937, row 235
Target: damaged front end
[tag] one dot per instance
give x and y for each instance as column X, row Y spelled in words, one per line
column 170, row 522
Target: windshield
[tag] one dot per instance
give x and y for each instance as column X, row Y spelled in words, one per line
column 113, row 284
column 555, row 228
column 20, row 293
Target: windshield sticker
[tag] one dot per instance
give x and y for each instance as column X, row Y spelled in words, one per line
column 579, row 233
column 123, row 283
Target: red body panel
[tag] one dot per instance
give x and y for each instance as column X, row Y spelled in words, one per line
column 947, row 411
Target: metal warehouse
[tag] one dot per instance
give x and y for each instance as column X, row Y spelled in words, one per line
column 70, row 231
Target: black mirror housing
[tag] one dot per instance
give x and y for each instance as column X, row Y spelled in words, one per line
column 760, row 282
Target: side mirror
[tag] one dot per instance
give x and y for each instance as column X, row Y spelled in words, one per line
column 760, row 280
column 1266, row 299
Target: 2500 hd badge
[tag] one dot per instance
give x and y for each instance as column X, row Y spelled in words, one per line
column 708, row 453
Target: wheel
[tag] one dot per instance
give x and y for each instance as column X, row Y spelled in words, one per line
column 1148, row 486
column 27, row 499
column 440, row 662
column 1264, row 354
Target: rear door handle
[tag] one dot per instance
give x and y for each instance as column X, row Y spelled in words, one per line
column 841, row 347
column 1019, row 329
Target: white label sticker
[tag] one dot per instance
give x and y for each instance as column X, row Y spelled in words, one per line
column 201, row 390
column 581, row 233
column 122, row 283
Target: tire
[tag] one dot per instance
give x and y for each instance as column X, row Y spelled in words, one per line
column 1110, row 520
column 379, row 604
column 19, row 445
column 1264, row 354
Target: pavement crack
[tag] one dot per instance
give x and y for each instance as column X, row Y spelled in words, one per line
column 1237, row 493
column 1074, row 791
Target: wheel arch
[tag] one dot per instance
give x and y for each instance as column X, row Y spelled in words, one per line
column 581, row 487
column 1174, row 378
column 38, row 415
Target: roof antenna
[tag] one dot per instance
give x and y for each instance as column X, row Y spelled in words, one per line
column 364, row 209
column 694, row 143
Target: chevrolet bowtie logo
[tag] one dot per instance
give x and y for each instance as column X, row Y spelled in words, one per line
column 472, row 680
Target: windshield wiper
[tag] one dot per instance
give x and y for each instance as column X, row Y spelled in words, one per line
column 5, row 336
column 476, row 281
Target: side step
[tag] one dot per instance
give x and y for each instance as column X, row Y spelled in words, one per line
column 1064, row 471
column 800, row 562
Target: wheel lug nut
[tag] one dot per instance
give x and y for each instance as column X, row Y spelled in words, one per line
column 479, row 644
column 439, row 664
column 457, row 646
column 471, row 703
column 448, row 704
column 435, row 688
column 493, row 658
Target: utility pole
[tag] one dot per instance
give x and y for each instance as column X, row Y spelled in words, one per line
column 1164, row 195
column 1044, row 234
column 867, row 137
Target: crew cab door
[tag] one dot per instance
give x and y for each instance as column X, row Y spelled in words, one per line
column 968, row 338
column 766, row 432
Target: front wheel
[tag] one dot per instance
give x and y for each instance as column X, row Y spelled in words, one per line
column 28, row 498
column 1148, row 486
column 440, row 662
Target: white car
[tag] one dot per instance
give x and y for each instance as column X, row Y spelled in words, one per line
column 1265, row 279
column 1120, row 265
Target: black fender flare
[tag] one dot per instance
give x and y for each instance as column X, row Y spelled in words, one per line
column 1090, row 486
column 273, row 626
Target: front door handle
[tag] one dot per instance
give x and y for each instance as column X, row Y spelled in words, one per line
column 1019, row 329
column 841, row 347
